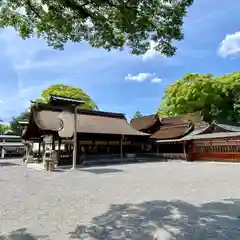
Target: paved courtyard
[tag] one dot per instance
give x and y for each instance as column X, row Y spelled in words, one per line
column 168, row 200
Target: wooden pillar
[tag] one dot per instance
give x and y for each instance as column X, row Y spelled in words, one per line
column 184, row 151
column 39, row 147
column 121, row 148
column 53, row 142
column 3, row 150
column 74, row 162
column 27, row 153
column 59, row 151
column 43, row 144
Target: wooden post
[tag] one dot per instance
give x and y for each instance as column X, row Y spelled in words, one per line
column 184, row 150
column 3, row 150
column 39, row 147
column 59, row 151
column 53, row 142
column 121, row 148
column 27, row 154
column 74, row 163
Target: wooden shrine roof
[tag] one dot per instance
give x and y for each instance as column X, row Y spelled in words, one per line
column 172, row 121
column 94, row 122
column 172, row 132
column 212, row 131
column 144, row 122
column 212, row 135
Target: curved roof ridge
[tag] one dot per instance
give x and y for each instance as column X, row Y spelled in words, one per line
column 230, row 128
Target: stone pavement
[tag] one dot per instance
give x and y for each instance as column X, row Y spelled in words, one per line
column 165, row 200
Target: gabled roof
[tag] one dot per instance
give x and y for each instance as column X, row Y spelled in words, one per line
column 144, row 122
column 215, row 126
column 172, row 132
column 226, row 131
column 172, row 121
column 212, row 135
column 47, row 119
column 230, row 128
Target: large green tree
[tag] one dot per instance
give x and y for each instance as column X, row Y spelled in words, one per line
column 216, row 97
column 4, row 128
column 14, row 124
column 137, row 115
column 67, row 91
column 111, row 24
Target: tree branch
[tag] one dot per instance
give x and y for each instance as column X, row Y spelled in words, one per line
column 118, row 6
column 73, row 5
column 32, row 8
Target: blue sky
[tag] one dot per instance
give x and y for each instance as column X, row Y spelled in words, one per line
column 115, row 80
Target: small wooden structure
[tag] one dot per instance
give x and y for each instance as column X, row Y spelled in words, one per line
column 11, row 145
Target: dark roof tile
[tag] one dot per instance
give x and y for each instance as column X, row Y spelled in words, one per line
column 144, row 122
column 170, row 121
column 172, row 132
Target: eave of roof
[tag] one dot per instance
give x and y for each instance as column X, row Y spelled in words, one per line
column 213, row 135
column 11, row 144
column 9, row 136
column 203, row 136
column 230, row 128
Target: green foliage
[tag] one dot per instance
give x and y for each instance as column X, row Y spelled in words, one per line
column 111, row 24
column 137, row 115
column 164, row 110
column 4, row 128
column 217, row 98
column 67, row 91
column 14, row 124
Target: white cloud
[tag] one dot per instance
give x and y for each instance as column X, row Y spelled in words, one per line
column 151, row 52
column 139, row 77
column 1, row 101
column 156, row 80
column 230, row 45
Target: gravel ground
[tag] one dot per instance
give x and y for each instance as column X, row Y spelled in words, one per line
column 165, row 200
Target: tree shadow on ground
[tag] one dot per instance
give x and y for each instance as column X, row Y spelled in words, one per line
column 165, row 220
column 21, row 234
column 102, row 170
column 8, row 164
